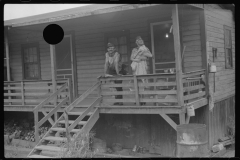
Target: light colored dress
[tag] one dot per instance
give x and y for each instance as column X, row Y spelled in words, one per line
column 141, row 67
column 112, row 60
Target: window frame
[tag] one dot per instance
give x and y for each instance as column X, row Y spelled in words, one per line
column 24, row 46
column 230, row 64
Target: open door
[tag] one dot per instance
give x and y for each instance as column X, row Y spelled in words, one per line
column 162, row 46
column 64, row 61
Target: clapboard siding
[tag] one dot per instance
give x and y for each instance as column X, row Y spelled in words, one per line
column 90, row 42
column 191, row 38
column 215, row 19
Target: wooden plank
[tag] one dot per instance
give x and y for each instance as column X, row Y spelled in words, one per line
column 36, row 126
column 84, row 114
column 159, row 100
column 177, row 51
column 91, row 121
column 159, row 84
column 116, row 85
column 182, row 118
column 12, row 100
column 66, row 126
column 50, row 97
column 104, row 93
column 82, row 97
column 196, row 95
column 105, row 100
column 164, row 92
column 49, row 118
column 169, row 120
column 12, row 94
column 54, row 110
column 136, row 91
column 198, row 103
column 191, row 88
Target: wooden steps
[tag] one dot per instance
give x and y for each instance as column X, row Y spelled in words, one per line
column 50, row 148
column 71, row 122
column 51, row 138
column 64, row 130
column 51, row 135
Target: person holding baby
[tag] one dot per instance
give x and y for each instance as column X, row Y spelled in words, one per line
column 138, row 57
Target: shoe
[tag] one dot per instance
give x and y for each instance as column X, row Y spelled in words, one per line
column 143, row 103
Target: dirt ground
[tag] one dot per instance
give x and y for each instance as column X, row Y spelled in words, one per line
column 11, row 151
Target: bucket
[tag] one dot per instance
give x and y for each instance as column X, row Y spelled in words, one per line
column 213, row 68
column 190, row 111
column 192, row 140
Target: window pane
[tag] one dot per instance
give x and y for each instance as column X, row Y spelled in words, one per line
column 114, row 41
column 124, row 58
column 227, row 38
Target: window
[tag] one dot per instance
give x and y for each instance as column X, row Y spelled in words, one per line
column 31, row 61
column 120, row 41
column 228, row 47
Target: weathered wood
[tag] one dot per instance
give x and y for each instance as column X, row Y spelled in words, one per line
column 157, row 84
column 196, row 95
column 136, row 91
column 91, row 121
column 66, row 126
column 191, row 88
column 82, row 97
column 169, row 120
column 50, row 97
column 187, row 119
column 84, row 114
column 36, row 126
column 7, row 54
column 164, row 92
column 182, row 118
column 177, row 51
column 52, row 112
column 49, row 119
column 53, row 69
column 105, row 93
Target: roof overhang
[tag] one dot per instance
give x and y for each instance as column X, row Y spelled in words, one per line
column 73, row 13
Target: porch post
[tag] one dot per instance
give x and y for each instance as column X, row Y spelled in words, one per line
column 177, row 50
column 7, row 54
column 53, row 69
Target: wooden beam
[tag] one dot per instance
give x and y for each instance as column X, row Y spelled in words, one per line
column 7, row 54
column 187, row 119
column 84, row 114
column 53, row 69
column 36, row 125
column 22, row 92
column 169, row 120
column 54, row 110
column 177, row 51
column 91, row 121
column 182, row 118
column 49, row 119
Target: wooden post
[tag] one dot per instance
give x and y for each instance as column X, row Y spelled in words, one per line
column 182, row 119
column 66, row 125
column 53, row 69
column 177, row 51
column 136, row 90
column 36, row 126
column 70, row 90
column 7, row 61
column 204, row 46
column 7, row 55
column 22, row 90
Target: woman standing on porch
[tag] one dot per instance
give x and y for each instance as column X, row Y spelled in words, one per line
column 139, row 56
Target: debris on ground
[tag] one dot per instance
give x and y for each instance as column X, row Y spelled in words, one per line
column 99, row 145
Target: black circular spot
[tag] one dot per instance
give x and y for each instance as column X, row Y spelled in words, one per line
column 53, row 34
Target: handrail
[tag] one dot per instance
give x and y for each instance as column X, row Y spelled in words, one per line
column 82, row 97
column 50, row 97
column 194, row 71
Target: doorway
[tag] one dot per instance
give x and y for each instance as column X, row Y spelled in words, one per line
column 162, row 46
column 64, row 61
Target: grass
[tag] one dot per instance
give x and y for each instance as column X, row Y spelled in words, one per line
column 79, row 147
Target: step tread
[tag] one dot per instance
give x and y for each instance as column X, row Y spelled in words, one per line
column 51, row 138
column 38, row 156
column 64, row 129
column 79, row 113
column 49, row 148
column 71, row 122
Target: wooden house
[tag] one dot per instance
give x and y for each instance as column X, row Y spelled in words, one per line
column 49, row 79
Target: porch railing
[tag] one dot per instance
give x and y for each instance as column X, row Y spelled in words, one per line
column 153, row 89
column 33, row 92
column 193, row 85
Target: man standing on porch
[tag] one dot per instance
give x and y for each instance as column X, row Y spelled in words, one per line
column 113, row 67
